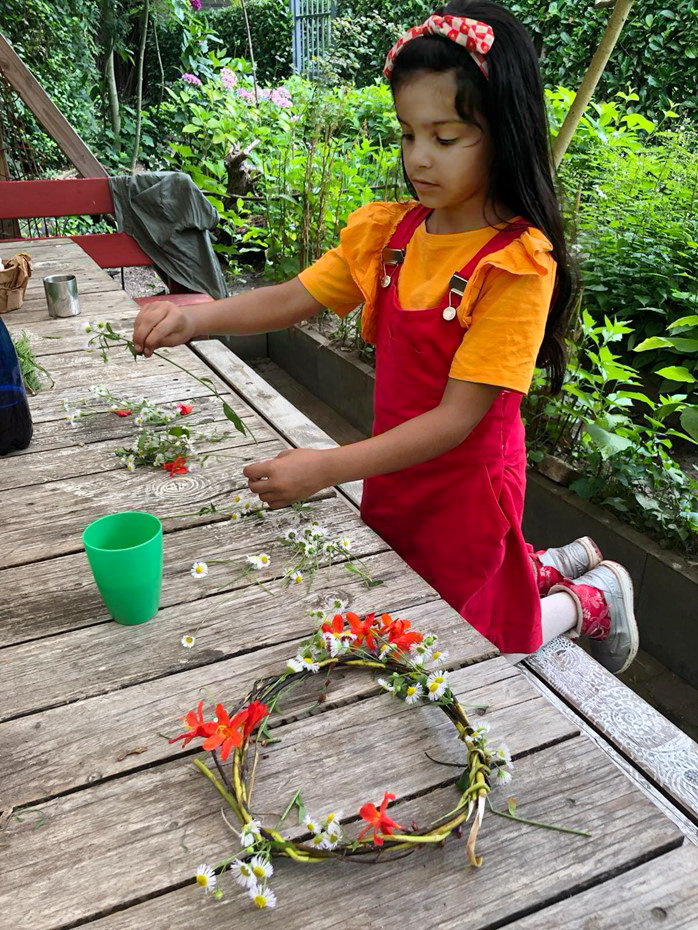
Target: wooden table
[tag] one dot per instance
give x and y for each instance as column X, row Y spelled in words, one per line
column 104, row 822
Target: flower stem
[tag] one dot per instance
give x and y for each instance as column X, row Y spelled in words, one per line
column 536, row 823
column 224, row 793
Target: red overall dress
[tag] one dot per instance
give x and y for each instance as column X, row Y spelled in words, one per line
column 455, row 519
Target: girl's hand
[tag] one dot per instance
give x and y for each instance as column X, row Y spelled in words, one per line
column 292, row 476
column 162, row 324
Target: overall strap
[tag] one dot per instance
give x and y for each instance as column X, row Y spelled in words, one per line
column 499, row 241
column 406, row 227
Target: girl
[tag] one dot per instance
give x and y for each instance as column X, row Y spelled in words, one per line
column 463, row 290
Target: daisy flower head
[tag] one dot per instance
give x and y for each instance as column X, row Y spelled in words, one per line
column 318, row 615
column 291, row 535
column 250, row 833
column 261, row 868
column 87, row 326
column 439, row 656
column 344, row 544
column 500, row 775
column 261, row 896
column 301, row 663
column 311, row 825
column 131, row 462
column 258, row 562
column 437, row 683
column 199, row 570
column 502, row 754
column 187, row 640
column 414, row 694
column 242, row 872
column 296, row 577
column 385, row 685
column 317, row 841
column 139, row 420
column 336, row 604
column 330, row 838
column 206, row 878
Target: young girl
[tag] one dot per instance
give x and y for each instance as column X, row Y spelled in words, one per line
column 463, row 290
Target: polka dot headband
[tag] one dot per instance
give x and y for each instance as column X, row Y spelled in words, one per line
column 474, row 36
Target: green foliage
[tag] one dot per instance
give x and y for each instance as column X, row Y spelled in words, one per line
column 620, row 438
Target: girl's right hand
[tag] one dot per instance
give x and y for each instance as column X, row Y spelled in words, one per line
column 162, row 324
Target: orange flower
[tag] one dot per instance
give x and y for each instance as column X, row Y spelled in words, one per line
column 378, row 820
column 256, row 712
column 227, row 733
column 196, row 726
column 123, row 413
column 184, row 409
column 178, row 467
column 396, row 633
column 364, row 630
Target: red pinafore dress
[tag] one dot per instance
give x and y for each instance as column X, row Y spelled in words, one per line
column 455, row 519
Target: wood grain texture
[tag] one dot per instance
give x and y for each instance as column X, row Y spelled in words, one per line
column 116, row 850
column 138, row 715
column 661, row 893
column 58, row 595
column 108, row 656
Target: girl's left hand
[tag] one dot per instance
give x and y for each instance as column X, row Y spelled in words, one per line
column 292, row 476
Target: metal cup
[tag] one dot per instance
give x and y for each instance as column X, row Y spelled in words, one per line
column 62, row 295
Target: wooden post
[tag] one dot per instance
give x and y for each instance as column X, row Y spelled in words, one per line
column 9, row 229
column 621, row 11
column 56, row 125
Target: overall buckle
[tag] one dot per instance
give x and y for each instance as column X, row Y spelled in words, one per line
column 391, row 257
column 456, row 289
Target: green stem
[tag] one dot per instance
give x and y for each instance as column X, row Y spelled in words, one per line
column 224, row 793
column 536, row 823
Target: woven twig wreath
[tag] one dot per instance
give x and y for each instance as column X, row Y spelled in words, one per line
column 410, row 662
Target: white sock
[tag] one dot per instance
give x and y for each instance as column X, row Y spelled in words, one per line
column 558, row 615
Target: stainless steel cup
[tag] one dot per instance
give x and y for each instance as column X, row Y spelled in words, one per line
column 62, row 295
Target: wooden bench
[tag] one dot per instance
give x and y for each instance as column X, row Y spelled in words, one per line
column 24, row 200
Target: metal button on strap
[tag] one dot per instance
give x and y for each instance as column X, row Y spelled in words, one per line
column 449, row 313
column 385, row 280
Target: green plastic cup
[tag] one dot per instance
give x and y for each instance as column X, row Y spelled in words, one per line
column 125, row 554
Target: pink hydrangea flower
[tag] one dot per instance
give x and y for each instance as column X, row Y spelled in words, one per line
column 229, row 78
column 281, row 98
column 245, row 95
column 195, row 5
column 192, row 79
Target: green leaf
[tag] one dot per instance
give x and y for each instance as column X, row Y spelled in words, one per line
column 676, row 373
column 234, row 418
column 689, row 421
column 691, row 320
column 607, row 443
column 654, row 342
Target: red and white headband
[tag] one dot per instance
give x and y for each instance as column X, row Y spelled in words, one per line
column 474, row 36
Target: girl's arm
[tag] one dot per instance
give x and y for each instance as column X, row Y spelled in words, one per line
column 296, row 474
column 263, row 310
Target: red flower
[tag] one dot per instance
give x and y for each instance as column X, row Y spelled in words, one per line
column 364, row 630
column 227, row 733
column 396, row 633
column 123, row 413
column 196, row 726
column 178, row 467
column 378, row 820
column 184, row 410
column 336, row 627
column 256, row 712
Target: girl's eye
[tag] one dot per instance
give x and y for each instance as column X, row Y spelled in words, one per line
column 446, row 141
column 406, row 136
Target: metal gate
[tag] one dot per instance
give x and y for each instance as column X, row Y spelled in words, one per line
column 312, row 30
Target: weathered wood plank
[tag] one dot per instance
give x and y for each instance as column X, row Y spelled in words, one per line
column 59, row 595
column 270, row 404
column 75, row 502
column 660, row 893
column 99, row 457
column 665, row 754
column 139, row 714
column 118, row 846
column 108, row 656
column 53, row 337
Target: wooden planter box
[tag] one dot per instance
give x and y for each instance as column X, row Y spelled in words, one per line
column 666, row 585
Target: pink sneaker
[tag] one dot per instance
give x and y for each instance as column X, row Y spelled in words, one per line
column 553, row 566
column 605, row 614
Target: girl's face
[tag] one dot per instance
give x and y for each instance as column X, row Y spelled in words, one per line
column 446, row 158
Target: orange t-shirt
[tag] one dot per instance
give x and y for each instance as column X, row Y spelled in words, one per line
column 503, row 311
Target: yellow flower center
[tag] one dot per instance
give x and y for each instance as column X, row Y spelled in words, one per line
column 411, row 691
column 260, row 900
column 202, row 880
column 259, row 871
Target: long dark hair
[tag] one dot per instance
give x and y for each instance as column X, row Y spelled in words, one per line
column 512, row 102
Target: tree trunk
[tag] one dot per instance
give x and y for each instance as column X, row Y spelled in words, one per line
column 251, row 51
column 615, row 25
column 139, row 85
column 113, row 95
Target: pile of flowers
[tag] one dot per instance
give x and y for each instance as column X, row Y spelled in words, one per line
column 410, row 663
column 161, row 440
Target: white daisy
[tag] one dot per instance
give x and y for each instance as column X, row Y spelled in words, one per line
column 437, row 683
column 336, row 604
column 439, row 656
column 500, row 775
column 101, row 326
column 316, row 531
column 131, row 462
column 385, row 685
column 262, row 897
column 261, row 868
column 344, row 544
column 259, row 562
column 502, row 754
column 317, row 841
column 250, row 833
column 236, row 517
column 199, row 570
column 312, row 826
column 414, row 694
column 303, row 664
column 296, row 577
column 187, row 640
column 237, row 499
column 291, row 535
column 331, row 838
column 87, row 326
column 206, row 878
column 242, row 872
column 139, row 420
column 333, row 819
column 318, row 615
